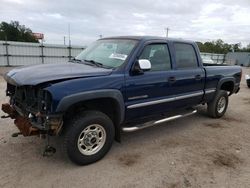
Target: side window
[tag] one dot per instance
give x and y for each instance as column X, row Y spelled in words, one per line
column 185, row 56
column 158, row 55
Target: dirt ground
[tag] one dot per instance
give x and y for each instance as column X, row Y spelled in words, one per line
column 196, row 151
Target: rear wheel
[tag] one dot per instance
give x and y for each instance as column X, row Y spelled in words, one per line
column 218, row 106
column 89, row 137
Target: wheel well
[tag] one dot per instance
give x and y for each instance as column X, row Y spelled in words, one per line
column 228, row 86
column 108, row 106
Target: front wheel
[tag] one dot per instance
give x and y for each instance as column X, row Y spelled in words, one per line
column 218, row 106
column 89, row 137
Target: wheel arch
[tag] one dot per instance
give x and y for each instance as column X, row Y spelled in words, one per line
column 226, row 84
column 108, row 101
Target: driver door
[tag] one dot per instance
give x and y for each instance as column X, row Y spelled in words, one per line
column 147, row 93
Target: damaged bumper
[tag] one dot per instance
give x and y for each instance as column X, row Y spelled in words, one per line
column 48, row 124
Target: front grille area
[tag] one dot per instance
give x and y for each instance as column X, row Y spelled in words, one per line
column 28, row 99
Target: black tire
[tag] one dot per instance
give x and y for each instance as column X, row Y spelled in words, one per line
column 76, row 127
column 248, row 84
column 213, row 107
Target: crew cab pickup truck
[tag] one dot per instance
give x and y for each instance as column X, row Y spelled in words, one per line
column 116, row 84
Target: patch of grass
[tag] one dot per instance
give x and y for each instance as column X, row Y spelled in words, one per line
column 223, row 159
column 214, row 125
column 246, row 100
column 231, row 119
column 129, row 159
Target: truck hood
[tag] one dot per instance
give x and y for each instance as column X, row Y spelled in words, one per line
column 37, row 74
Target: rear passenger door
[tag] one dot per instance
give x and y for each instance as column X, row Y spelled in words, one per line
column 188, row 80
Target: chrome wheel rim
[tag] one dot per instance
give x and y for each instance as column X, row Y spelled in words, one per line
column 91, row 139
column 221, row 104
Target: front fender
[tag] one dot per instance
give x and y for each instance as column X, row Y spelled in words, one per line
column 70, row 100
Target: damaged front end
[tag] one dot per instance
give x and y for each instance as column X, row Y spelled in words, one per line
column 30, row 107
column 22, row 123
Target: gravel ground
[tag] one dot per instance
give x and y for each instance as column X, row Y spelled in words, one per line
column 196, row 151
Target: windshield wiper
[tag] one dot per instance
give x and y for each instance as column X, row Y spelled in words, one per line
column 93, row 62
column 75, row 60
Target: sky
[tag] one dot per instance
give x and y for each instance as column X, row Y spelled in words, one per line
column 197, row 20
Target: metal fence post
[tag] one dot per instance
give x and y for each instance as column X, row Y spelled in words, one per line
column 42, row 53
column 7, row 52
column 69, row 47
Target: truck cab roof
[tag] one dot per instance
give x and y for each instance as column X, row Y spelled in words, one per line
column 148, row 38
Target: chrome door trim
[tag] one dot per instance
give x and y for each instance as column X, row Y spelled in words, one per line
column 208, row 91
column 138, row 97
column 171, row 99
column 189, row 95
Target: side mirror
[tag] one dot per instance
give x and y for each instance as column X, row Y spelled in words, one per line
column 144, row 64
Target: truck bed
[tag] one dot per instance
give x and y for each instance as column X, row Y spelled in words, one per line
column 214, row 73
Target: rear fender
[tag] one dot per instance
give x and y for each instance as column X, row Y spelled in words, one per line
column 224, row 80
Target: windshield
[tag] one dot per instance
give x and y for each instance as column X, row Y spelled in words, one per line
column 110, row 53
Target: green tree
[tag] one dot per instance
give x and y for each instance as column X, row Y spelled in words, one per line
column 248, row 46
column 236, row 47
column 221, row 47
column 13, row 31
column 246, row 49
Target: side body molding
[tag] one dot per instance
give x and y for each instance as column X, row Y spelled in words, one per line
column 70, row 100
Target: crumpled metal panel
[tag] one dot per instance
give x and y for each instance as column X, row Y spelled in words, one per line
column 22, row 123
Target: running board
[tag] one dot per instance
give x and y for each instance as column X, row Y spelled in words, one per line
column 153, row 123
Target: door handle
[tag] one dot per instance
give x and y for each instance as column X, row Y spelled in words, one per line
column 198, row 77
column 171, row 79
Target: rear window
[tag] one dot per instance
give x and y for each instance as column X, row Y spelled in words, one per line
column 185, row 56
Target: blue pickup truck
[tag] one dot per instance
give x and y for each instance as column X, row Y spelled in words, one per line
column 116, row 84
